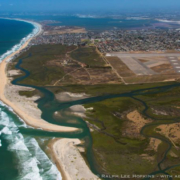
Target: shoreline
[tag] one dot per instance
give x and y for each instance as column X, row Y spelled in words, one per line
column 36, row 31
column 55, row 146
column 42, row 124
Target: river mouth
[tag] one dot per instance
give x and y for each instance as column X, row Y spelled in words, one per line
column 49, row 105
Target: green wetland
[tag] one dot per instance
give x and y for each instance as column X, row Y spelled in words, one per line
column 107, row 150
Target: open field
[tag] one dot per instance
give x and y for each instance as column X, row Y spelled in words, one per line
column 36, row 61
column 51, row 65
column 88, row 56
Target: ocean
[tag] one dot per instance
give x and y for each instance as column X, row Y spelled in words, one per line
column 11, row 32
column 21, row 156
column 94, row 23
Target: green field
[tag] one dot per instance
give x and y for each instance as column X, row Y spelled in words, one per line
column 37, row 60
column 89, row 56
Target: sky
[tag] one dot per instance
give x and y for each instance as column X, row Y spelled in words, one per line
column 82, row 5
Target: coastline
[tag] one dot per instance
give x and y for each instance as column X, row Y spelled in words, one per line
column 42, row 124
column 62, row 160
column 36, row 31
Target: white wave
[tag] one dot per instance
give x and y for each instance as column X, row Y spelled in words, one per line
column 5, row 130
column 31, row 176
column 32, row 164
column 4, row 118
column 20, row 146
column 26, row 163
column 6, row 121
column 10, row 109
column 48, row 169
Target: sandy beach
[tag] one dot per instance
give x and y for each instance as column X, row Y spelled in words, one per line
column 69, row 160
column 36, row 123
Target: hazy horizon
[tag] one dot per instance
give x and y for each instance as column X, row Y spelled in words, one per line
column 85, row 5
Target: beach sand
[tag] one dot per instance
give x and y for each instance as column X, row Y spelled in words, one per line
column 37, row 123
column 69, row 160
